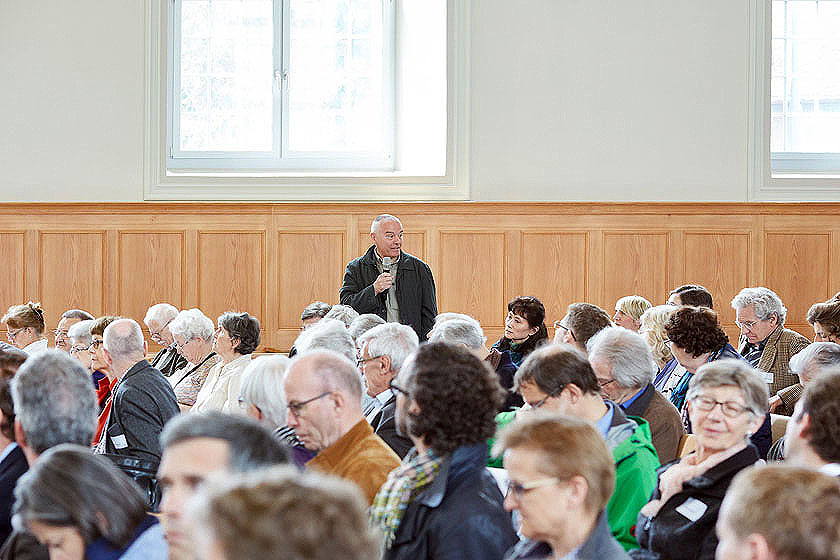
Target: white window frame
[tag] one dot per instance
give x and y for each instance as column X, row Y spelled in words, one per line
column 799, row 177
column 159, row 183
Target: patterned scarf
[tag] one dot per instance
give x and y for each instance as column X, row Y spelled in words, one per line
column 403, row 485
column 679, row 392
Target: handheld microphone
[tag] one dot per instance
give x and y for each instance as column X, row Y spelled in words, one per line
column 386, row 264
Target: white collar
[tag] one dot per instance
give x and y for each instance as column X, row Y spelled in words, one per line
column 384, row 395
column 39, row 345
column 831, row 469
column 9, row 448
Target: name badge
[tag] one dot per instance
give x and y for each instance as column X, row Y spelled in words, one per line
column 692, row 509
column 768, row 377
column 119, row 441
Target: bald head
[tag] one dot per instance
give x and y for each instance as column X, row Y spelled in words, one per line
column 124, row 341
column 331, row 371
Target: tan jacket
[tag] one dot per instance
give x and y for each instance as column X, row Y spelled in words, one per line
column 782, row 345
column 359, row 456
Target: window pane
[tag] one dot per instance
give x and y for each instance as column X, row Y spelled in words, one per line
column 226, row 75
column 336, row 58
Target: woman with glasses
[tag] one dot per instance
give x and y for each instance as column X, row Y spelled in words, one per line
column 726, row 402
column 524, row 328
column 25, row 327
column 237, row 336
column 101, row 370
column 193, row 333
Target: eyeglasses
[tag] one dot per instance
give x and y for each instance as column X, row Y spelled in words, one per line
column 12, row 334
column 156, row 334
column 58, row 333
column 77, row 349
column 362, row 361
column 296, row 408
column 560, row 325
column 518, row 489
column 748, row 325
column 729, row 408
column 603, row 383
column 397, row 388
column 182, row 345
column 94, row 344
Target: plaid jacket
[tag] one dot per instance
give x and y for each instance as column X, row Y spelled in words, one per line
column 782, row 345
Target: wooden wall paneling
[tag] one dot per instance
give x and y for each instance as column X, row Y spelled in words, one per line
column 594, row 289
column 799, row 267
column 554, row 269
column 13, row 271
column 32, row 268
column 72, row 273
column 151, row 267
column 311, row 268
column 634, row 264
column 190, row 272
column 110, row 268
column 471, row 276
column 231, row 272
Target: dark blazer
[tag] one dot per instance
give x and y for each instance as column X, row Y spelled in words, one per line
column 143, row 402
column 385, row 426
column 167, row 360
column 459, row 516
column 414, row 284
column 666, row 427
column 670, row 535
column 11, row 468
column 782, row 344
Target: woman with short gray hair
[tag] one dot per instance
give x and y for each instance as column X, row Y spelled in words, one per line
column 726, row 400
column 82, row 506
column 193, row 333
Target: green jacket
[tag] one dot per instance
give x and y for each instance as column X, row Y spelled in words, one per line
column 635, row 470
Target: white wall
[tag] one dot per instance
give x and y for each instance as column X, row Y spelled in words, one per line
column 571, row 100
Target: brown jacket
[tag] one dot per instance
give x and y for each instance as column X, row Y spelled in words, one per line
column 359, row 456
column 782, row 345
column 666, row 427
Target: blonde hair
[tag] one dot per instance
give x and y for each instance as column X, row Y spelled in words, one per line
column 27, row 315
column 653, row 330
column 633, row 306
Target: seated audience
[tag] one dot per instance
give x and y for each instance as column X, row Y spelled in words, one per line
column 261, row 397
column 198, row 446
column 68, row 319
column 99, row 366
column 669, row 371
column 311, row 314
column 581, row 322
column 765, row 342
column 624, row 367
column 237, row 337
column 343, row 313
column 812, row 436
column 468, row 333
column 560, row 379
column 79, row 338
column 157, row 320
column 561, row 478
column 82, row 506
column 142, row 402
column 694, row 295
column 25, row 327
column 363, row 323
column 327, row 334
column 825, row 318
column 442, row 502
column 805, row 365
column 524, row 328
column 780, row 513
column 324, row 407
column 726, row 401
column 43, row 419
column 193, row 333
column 384, row 350
column 628, row 312
column 12, row 461
column 326, row 518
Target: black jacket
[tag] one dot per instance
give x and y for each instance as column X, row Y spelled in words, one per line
column 168, row 360
column 458, row 517
column 143, row 402
column 414, row 285
column 11, row 469
column 385, row 426
column 670, row 535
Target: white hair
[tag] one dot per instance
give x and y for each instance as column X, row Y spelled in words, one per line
column 160, row 312
column 363, row 323
column 627, row 354
column 815, row 356
column 765, row 302
column 396, row 341
column 192, row 323
column 262, row 386
column 327, row 334
column 80, row 331
column 459, row 331
column 343, row 313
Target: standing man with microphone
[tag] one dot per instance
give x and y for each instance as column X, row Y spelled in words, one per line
column 389, row 282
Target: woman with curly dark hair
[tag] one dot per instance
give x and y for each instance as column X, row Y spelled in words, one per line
column 524, row 328
column 695, row 338
column 441, row 502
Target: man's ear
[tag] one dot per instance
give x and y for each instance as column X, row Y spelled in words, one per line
column 386, row 362
column 372, row 237
column 804, row 426
column 575, row 394
column 20, row 437
column 759, row 548
column 107, row 356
